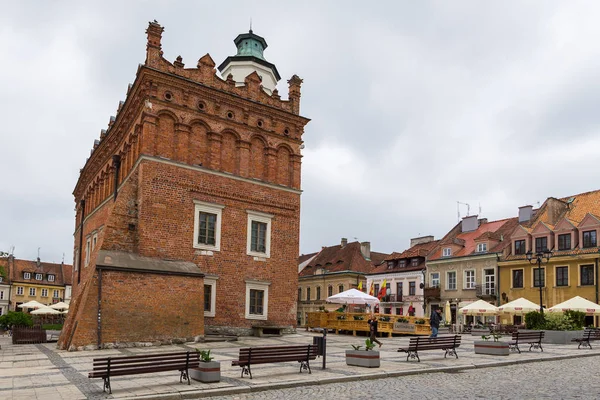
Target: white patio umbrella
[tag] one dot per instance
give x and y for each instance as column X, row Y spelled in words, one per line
column 31, row 304
column 577, row 304
column 519, row 306
column 45, row 310
column 448, row 313
column 479, row 307
column 353, row 296
column 60, row 306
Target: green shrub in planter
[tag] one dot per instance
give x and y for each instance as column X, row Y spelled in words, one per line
column 535, row 321
column 420, row 321
column 576, row 317
column 14, row 318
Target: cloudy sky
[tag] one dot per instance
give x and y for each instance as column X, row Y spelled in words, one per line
column 414, row 105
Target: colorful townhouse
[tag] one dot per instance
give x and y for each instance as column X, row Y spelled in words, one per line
column 569, row 228
column 403, row 276
column 463, row 267
column 26, row 280
column 333, row 270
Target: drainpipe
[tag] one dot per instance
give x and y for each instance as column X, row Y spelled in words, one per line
column 596, row 318
column 496, row 289
column 117, row 163
column 82, row 203
column 99, row 308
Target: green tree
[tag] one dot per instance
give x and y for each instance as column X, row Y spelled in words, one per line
column 12, row 318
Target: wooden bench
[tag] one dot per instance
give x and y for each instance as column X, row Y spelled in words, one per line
column 589, row 334
column 447, row 343
column 108, row 367
column 274, row 354
column 533, row 339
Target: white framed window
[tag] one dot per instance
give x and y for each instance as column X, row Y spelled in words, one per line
column 435, row 279
column 88, row 250
column 257, row 300
column 481, row 247
column 44, row 292
column 32, row 291
column 207, row 225
column 94, row 240
column 259, row 234
column 1, row 310
column 20, row 290
column 451, row 280
column 1, row 278
column 470, row 279
column 50, row 278
column 38, row 277
column 55, row 294
column 446, row 252
column 210, row 296
column 27, row 275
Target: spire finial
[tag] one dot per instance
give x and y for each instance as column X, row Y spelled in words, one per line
column 250, row 25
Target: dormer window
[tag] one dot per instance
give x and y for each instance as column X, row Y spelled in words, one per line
column 564, row 241
column 446, row 252
column 38, row 277
column 520, row 246
column 402, row 263
column 481, row 247
column 50, row 278
column 27, row 275
column 589, row 239
column 390, row 264
column 414, row 262
column 541, row 244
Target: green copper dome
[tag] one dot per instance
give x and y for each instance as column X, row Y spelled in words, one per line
column 249, row 44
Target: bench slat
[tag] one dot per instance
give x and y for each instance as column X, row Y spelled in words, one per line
column 121, row 361
column 148, row 356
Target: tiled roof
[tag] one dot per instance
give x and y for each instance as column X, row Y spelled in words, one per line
column 378, row 258
column 305, row 257
column 338, row 258
column 61, row 272
column 494, row 230
column 419, row 250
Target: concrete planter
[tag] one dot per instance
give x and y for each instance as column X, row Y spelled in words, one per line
column 207, row 372
column 491, row 348
column 480, row 331
column 444, row 330
column 363, row 358
column 557, row 337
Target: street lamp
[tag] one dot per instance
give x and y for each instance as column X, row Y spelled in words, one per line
column 545, row 253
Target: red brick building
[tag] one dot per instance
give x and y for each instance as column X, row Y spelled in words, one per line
column 188, row 208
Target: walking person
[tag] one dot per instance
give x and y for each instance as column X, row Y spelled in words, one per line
column 373, row 330
column 434, row 321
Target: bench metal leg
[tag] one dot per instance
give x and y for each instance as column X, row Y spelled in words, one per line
column 304, row 365
column 184, row 376
column 535, row 345
column 514, row 347
column 585, row 343
column 107, row 385
column 451, row 352
column 246, row 371
column 412, row 354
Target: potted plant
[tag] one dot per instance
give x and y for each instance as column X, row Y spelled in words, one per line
column 363, row 358
column 492, row 348
column 208, row 370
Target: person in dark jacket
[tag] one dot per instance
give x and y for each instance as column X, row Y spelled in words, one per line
column 373, row 330
column 434, row 321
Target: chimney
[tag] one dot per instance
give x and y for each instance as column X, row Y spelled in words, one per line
column 420, row 240
column 38, row 262
column 365, row 249
column 556, row 208
column 469, row 223
column 344, row 242
column 525, row 213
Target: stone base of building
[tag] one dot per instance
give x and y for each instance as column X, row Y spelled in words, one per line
column 236, row 331
column 124, row 345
